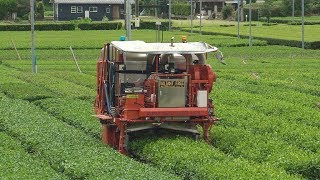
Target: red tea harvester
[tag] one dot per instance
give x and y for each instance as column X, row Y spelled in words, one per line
column 153, row 85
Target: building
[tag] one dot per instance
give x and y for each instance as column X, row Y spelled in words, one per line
column 65, row 10
column 210, row 8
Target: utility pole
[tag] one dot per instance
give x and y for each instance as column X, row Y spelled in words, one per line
column 292, row 10
column 136, row 7
column 302, row 23
column 200, row 16
column 241, row 11
column 191, row 16
column 250, row 35
column 34, row 62
column 169, row 15
column 156, row 8
column 128, row 20
column 238, row 13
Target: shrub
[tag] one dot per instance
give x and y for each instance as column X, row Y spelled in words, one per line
column 181, row 9
column 16, row 27
column 100, row 26
column 269, row 24
column 306, row 23
column 226, row 25
column 38, row 27
column 55, row 27
column 152, row 25
column 289, row 21
column 249, row 25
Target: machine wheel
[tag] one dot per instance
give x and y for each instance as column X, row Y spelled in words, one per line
column 110, row 135
column 196, row 137
column 126, row 142
column 123, row 139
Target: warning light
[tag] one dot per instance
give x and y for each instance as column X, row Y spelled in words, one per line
column 184, row 39
column 122, row 38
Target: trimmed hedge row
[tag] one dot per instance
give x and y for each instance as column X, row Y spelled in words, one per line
column 69, row 150
column 271, row 41
column 30, row 86
column 69, row 110
column 226, row 25
column 100, row 26
column 281, row 119
column 61, row 88
column 305, row 23
column 17, row 88
column 303, row 84
column 265, row 149
column 77, row 78
column 16, row 163
column 292, row 43
column 7, row 76
column 62, row 26
column 25, row 91
column 38, row 27
column 269, row 87
column 152, row 25
column 78, row 113
column 198, row 160
column 288, row 21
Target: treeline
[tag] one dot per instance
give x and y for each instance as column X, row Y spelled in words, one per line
column 274, row 8
column 20, row 9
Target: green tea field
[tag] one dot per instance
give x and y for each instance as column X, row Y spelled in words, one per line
column 267, row 96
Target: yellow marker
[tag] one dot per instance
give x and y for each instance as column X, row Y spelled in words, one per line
column 132, row 96
column 184, row 39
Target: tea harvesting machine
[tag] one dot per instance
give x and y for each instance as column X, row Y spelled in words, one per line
column 144, row 86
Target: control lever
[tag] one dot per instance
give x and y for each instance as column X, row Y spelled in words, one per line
column 219, row 56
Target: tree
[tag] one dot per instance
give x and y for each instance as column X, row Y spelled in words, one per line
column 227, row 11
column 181, row 9
column 23, row 8
column 252, row 1
column 266, row 9
column 7, row 7
column 287, row 7
column 39, row 10
column 315, row 7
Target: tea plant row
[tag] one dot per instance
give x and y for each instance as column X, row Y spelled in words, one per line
column 17, row 163
column 68, row 150
column 96, row 39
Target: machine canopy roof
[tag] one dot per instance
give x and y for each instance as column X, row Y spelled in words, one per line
column 163, row 48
